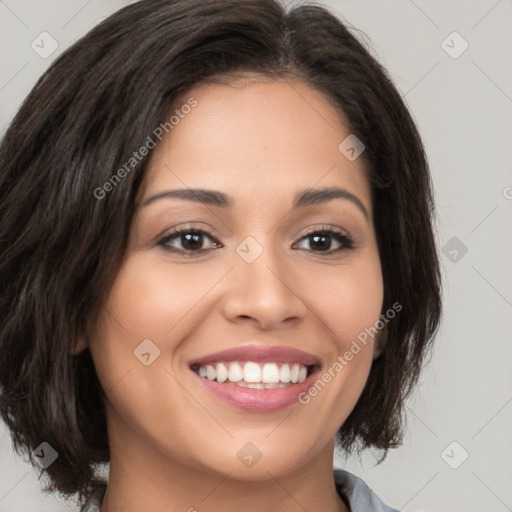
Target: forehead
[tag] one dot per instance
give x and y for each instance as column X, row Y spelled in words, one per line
column 256, row 139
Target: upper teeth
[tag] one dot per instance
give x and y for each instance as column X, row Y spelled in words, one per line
column 251, row 372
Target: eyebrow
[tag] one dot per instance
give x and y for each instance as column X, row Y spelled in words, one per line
column 305, row 197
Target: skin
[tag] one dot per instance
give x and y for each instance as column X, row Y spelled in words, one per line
column 174, row 445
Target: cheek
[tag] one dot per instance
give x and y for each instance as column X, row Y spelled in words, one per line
column 349, row 299
column 145, row 303
column 349, row 303
column 350, row 314
column 155, row 300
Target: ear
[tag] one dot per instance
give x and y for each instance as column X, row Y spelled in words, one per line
column 80, row 345
column 380, row 342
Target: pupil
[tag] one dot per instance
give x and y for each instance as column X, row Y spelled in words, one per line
column 324, row 245
column 192, row 241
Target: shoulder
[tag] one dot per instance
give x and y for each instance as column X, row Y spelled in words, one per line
column 359, row 496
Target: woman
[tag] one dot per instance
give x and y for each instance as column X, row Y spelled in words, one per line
column 218, row 261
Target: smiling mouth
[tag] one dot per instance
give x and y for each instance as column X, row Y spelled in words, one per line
column 250, row 374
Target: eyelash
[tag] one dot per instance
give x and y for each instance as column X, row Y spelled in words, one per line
column 347, row 243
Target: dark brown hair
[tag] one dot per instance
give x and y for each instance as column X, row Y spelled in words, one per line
column 61, row 247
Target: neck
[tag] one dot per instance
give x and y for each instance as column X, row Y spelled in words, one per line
column 142, row 478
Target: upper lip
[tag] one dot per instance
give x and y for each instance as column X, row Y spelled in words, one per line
column 259, row 353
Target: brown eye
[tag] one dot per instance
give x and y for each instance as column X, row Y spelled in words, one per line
column 190, row 241
column 322, row 240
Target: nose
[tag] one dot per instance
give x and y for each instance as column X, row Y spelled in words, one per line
column 265, row 292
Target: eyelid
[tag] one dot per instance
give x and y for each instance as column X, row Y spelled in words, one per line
column 323, row 228
column 175, row 233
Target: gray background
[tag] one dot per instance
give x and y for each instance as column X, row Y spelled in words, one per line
column 463, row 107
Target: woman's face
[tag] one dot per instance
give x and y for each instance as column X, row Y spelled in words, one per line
column 256, row 279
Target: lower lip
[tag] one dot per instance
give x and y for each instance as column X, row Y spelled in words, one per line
column 257, row 400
